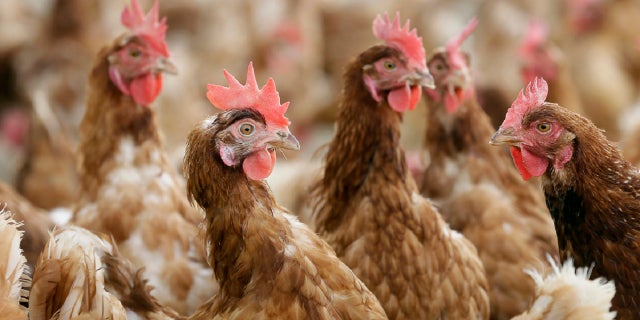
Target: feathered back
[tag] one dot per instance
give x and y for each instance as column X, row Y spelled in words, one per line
column 399, row 38
column 567, row 293
column 68, row 280
column 532, row 96
column 148, row 27
column 13, row 268
column 238, row 96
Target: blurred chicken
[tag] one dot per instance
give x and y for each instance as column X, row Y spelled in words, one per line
column 592, row 193
column 541, row 58
column 34, row 221
column 48, row 177
column 476, row 187
column 129, row 189
column 598, row 61
column 14, row 280
column 68, row 281
column 268, row 264
column 367, row 206
column 568, row 294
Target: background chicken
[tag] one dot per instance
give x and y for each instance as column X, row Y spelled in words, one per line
column 367, row 205
column 13, row 268
column 129, row 188
column 590, row 190
column 262, row 256
column 476, row 187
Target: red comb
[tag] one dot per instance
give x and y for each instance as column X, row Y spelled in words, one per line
column 536, row 35
column 456, row 59
column 402, row 39
column 238, row 96
column 532, row 96
column 147, row 27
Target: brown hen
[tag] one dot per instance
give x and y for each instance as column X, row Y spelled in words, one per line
column 477, row 189
column 367, row 205
column 592, row 193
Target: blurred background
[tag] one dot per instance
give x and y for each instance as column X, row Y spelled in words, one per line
column 47, row 48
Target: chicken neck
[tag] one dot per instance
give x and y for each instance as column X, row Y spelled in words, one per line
column 366, row 143
column 110, row 116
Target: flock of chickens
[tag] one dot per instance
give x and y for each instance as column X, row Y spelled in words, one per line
column 457, row 228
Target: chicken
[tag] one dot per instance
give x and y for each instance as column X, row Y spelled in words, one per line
column 475, row 186
column 13, row 268
column 592, row 193
column 568, row 294
column 368, row 207
column 540, row 58
column 68, row 281
column 48, row 177
column 35, row 222
column 268, row 264
column 128, row 188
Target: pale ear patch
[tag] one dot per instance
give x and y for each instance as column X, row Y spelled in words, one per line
column 227, row 155
column 565, row 155
column 369, row 83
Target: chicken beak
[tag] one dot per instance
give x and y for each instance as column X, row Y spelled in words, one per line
column 421, row 77
column 165, row 65
column 285, row 140
column 504, row 137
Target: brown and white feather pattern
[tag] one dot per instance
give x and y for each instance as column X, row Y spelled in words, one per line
column 567, row 293
column 130, row 191
column 13, row 269
column 68, row 281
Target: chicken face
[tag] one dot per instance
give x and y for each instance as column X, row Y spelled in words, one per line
column 539, row 58
column 135, row 68
column 453, row 83
column 539, row 140
column 392, row 75
column 250, row 141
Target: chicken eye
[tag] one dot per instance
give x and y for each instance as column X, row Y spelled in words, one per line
column 389, row 66
column 135, row 52
column 246, row 129
column 543, row 127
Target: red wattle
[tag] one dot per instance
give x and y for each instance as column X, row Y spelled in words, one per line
column 528, row 164
column 259, row 165
column 145, row 89
column 405, row 98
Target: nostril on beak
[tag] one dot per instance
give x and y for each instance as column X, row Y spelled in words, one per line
column 282, row 134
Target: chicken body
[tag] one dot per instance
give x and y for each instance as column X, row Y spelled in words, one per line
column 269, row 265
column 369, row 209
column 592, row 193
column 68, row 281
column 13, row 269
column 478, row 191
column 129, row 189
column 35, row 222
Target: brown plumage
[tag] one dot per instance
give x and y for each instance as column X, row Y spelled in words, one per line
column 68, row 281
column 268, row 264
column 592, row 193
column 129, row 188
column 478, row 191
column 35, row 222
column 368, row 208
column 13, row 270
